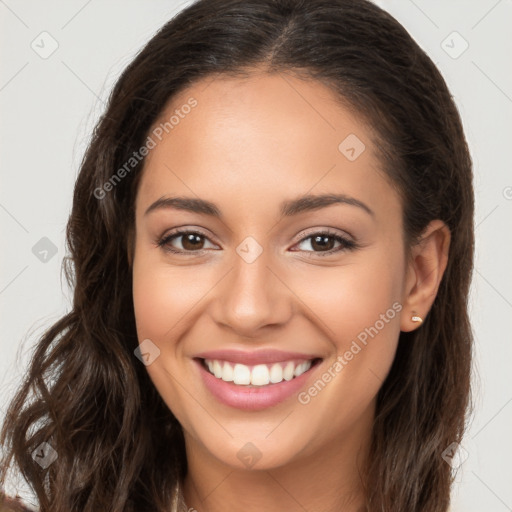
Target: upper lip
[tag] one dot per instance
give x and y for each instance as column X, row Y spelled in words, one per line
column 266, row 356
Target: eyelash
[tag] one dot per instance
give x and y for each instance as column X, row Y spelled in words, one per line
column 346, row 245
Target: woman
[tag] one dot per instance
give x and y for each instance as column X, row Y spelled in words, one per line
column 271, row 250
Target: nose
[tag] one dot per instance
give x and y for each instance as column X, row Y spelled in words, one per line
column 252, row 298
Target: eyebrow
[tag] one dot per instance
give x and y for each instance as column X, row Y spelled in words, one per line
column 288, row 208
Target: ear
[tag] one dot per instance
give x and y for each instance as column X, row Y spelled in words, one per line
column 427, row 263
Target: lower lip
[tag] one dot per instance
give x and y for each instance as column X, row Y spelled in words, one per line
column 252, row 398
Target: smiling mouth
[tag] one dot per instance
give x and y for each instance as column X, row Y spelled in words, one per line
column 260, row 374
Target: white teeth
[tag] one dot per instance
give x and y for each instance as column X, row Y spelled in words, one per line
column 227, row 372
column 258, row 375
column 217, row 369
column 241, row 374
column 288, row 371
column 276, row 373
column 298, row 370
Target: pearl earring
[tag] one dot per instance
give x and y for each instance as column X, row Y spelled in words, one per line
column 416, row 318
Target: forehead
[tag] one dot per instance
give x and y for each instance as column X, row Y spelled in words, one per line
column 266, row 136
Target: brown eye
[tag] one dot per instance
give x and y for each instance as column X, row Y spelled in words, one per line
column 323, row 243
column 190, row 241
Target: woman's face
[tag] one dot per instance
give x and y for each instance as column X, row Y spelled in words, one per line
column 292, row 283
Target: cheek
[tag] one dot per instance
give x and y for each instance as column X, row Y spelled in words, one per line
column 345, row 301
column 163, row 296
column 358, row 307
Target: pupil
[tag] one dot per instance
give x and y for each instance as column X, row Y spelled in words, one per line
column 193, row 240
column 322, row 241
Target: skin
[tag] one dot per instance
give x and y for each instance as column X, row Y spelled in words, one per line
column 247, row 146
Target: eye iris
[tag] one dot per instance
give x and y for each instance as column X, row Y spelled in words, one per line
column 193, row 239
column 322, row 241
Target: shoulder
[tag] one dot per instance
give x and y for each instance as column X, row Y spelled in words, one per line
column 8, row 504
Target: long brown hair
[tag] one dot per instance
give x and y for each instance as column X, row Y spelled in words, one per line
column 119, row 447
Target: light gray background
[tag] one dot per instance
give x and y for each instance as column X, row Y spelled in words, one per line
column 49, row 107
